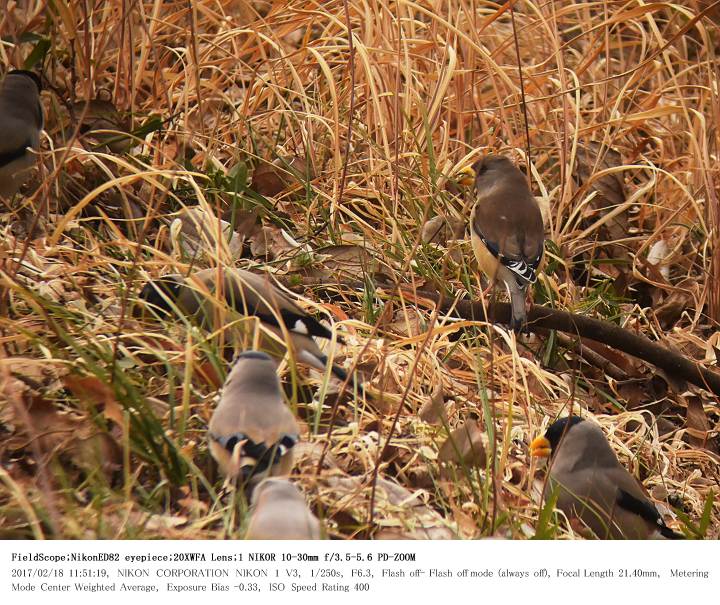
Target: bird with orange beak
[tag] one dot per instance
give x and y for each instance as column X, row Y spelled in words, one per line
column 592, row 486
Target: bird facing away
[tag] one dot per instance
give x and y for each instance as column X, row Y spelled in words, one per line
column 279, row 512
column 593, row 487
column 506, row 229
column 209, row 293
column 21, row 120
column 252, row 432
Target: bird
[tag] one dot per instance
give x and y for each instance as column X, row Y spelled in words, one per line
column 506, row 229
column 21, row 121
column 593, row 487
column 201, row 295
column 252, row 432
column 279, row 512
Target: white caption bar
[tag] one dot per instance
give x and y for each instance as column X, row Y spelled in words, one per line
column 77, row 572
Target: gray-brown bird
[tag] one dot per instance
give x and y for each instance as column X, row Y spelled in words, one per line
column 593, row 487
column 252, row 432
column 21, row 121
column 207, row 294
column 506, row 229
column 279, row 512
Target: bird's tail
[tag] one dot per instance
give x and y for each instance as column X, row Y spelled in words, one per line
column 518, row 319
column 249, row 458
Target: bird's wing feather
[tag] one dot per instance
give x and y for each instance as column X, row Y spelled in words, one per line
column 508, row 221
column 522, row 268
column 609, row 501
column 256, row 295
column 16, row 137
column 261, row 422
column 648, row 512
column 301, row 323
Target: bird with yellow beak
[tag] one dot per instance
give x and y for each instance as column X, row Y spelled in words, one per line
column 506, row 229
column 592, row 486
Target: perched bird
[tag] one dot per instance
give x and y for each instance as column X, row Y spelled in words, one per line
column 279, row 512
column 207, row 293
column 506, row 229
column 252, row 432
column 593, row 487
column 21, row 120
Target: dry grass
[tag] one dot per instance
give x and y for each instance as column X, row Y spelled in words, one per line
column 218, row 89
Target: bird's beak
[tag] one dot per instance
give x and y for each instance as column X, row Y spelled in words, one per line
column 466, row 176
column 540, row 448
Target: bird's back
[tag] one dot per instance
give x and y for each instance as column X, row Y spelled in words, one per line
column 507, row 215
column 252, row 401
column 20, row 113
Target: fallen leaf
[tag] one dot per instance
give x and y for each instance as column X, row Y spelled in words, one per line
column 464, row 446
column 399, row 513
column 271, row 243
column 669, row 312
column 354, row 259
column 626, row 363
column 194, row 506
column 408, row 322
column 335, row 311
column 93, row 390
column 440, row 229
column 697, row 426
column 195, row 233
column 433, row 411
column 161, row 522
column 272, row 179
column 634, row 393
column 658, row 256
column 244, row 222
column 608, row 190
column 42, row 425
column 209, row 374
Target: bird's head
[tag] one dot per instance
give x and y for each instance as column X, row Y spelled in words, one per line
column 159, row 295
column 255, row 355
column 545, row 445
column 254, row 370
column 485, row 166
column 28, row 74
column 276, row 488
column 466, row 176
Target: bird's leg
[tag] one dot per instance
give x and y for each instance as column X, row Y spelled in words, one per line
column 488, row 290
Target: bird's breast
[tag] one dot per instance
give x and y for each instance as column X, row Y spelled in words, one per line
column 487, row 262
